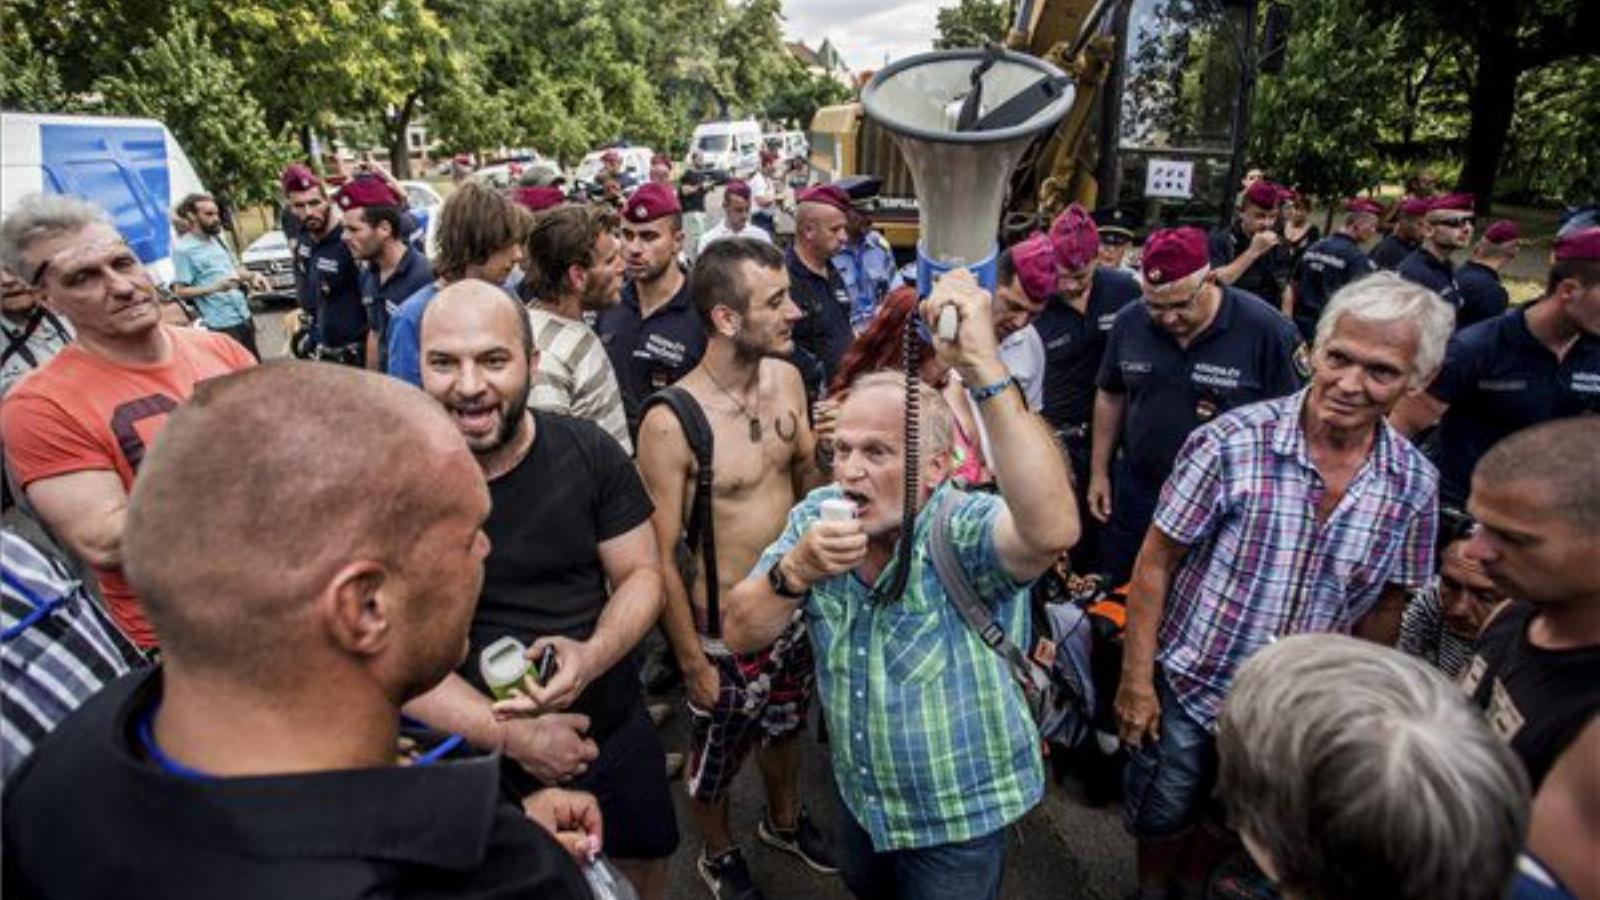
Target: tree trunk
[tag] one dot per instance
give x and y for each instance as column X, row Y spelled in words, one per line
column 1493, row 100
column 399, row 149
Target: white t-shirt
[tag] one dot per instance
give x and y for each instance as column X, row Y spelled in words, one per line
column 720, row 231
column 1023, row 353
column 760, row 189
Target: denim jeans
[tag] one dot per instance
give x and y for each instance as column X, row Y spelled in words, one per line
column 969, row 870
column 1168, row 783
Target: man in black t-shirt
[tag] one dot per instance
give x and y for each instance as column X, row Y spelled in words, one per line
column 1536, row 673
column 569, row 517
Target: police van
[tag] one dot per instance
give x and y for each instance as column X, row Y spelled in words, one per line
column 134, row 169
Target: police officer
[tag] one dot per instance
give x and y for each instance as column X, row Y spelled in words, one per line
column 1528, row 365
column 1251, row 255
column 328, row 280
column 654, row 336
column 1482, row 294
column 392, row 269
column 866, row 261
column 1332, row 263
column 1405, row 237
column 1446, row 228
column 1116, row 237
column 1195, row 348
column 1073, row 327
column 823, row 332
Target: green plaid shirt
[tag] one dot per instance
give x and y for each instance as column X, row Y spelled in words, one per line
column 932, row 742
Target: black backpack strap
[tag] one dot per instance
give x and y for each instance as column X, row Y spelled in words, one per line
column 17, row 342
column 697, row 432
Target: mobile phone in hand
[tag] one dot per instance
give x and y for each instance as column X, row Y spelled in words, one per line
column 545, row 667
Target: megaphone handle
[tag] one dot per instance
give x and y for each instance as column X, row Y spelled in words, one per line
column 949, row 324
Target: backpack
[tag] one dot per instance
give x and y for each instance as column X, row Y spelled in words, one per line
column 1057, row 680
column 697, row 432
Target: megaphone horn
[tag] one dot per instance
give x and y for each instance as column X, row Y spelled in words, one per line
column 962, row 119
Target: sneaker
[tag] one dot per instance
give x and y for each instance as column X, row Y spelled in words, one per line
column 803, row 840
column 727, row 877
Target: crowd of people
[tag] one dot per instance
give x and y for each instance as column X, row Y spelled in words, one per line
column 1321, row 479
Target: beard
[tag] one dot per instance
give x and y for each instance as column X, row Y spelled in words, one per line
column 213, row 229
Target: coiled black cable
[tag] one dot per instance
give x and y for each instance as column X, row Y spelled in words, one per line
column 900, row 561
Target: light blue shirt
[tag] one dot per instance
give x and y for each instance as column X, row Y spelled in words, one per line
column 199, row 261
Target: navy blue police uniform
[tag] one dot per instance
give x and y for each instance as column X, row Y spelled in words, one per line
column 330, row 290
column 1074, row 342
column 1435, row 274
column 382, row 296
column 650, row 353
column 1498, row 379
column 1265, row 276
column 1391, row 251
column 823, row 332
column 1482, row 295
column 1248, row 353
column 1325, row 267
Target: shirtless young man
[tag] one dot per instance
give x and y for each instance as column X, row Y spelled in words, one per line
column 763, row 461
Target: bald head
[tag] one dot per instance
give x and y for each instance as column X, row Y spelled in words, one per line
column 1558, row 459
column 478, row 300
column 256, row 494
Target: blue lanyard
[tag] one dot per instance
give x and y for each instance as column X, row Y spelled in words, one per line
column 171, row 766
column 41, row 608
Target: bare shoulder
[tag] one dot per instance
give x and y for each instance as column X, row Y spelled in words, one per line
column 784, row 379
column 661, row 439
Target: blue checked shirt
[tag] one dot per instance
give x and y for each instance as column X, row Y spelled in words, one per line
column 1243, row 497
column 932, row 742
column 53, row 664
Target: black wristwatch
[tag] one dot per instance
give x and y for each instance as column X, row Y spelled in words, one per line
column 780, row 584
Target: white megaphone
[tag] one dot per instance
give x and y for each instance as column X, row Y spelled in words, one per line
column 962, row 119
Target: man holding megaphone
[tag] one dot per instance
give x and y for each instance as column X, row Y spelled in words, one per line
column 906, row 679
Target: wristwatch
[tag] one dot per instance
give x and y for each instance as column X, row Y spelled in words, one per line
column 780, row 584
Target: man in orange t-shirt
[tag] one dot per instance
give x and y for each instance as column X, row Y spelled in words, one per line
column 75, row 430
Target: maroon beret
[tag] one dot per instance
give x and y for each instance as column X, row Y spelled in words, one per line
column 1583, row 244
column 1264, row 194
column 538, row 199
column 1074, row 238
column 297, row 177
column 769, row 155
column 1451, row 203
column 360, row 193
column 1501, row 231
column 737, row 188
column 1035, row 262
column 1415, row 207
column 650, row 201
column 826, row 194
column 1173, row 255
column 1357, row 205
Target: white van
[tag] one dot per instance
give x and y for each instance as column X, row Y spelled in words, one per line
column 134, row 169
column 731, row 148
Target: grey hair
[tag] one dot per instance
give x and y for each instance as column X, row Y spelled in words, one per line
column 1362, row 772
column 935, row 422
column 39, row 217
column 1386, row 297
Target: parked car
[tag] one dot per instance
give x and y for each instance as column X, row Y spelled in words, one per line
column 425, row 203
column 269, row 256
column 635, row 162
column 727, row 148
column 789, row 144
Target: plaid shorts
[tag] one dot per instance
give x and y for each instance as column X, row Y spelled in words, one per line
column 762, row 698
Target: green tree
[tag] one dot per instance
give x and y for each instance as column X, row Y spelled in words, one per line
column 1505, row 40
column 1297, row 132
column 200, row 95
column 799, row 94
column 29, row 80
column 971, row 23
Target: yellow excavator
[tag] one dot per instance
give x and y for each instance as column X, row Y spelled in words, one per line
column 1156, row 129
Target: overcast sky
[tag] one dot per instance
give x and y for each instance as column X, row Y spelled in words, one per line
column 865, row 30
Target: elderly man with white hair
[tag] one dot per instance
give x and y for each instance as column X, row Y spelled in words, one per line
column 1307, row 513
